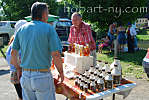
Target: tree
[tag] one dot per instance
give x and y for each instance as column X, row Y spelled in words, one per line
column 18, row 9
column 64, row 8
column 105, row 12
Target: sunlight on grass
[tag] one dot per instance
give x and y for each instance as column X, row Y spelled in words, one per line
column 4, row 50
column 131, row 63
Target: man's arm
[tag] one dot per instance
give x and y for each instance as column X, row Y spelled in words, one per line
column 111, row 30
column 70, row 36
column 14, row 60
column 58, row 63
column 134, row 32
column 91, row 41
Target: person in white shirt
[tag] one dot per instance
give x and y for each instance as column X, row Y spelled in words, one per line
column 131, row 33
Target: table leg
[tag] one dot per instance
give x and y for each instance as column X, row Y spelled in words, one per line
column 113, row 97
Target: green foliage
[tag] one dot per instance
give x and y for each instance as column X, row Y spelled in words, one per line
column 143, row 32
column 110, row 11
column 65, row 7
column 18, row 9
column 104, row 18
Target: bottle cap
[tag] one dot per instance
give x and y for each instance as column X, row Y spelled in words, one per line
column 115, row 65
column 106, row 62
column 103, row 70
column 116, row 58
column 100, row 76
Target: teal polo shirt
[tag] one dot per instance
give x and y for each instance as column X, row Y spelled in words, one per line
column 36, row 40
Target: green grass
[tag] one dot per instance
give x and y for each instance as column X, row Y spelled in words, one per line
column 143, row 37
column 3, row 50
column 131, row 63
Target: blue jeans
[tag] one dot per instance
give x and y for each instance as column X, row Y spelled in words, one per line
column 37, row 86
column 135, row 42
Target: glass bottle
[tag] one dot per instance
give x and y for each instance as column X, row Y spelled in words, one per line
column 81, row 50
column 86, row 87
column 100, row 64
column 116, row 62
column 92, row 85
column 70, row 48
column 79, row 81
column 109, row 81
column 82, row 85
column 83, row 77
column 88, row 81
column 87, row 50
column 106, row 67
column 76, row 48
column 91, row 69
column 76, row 80
column 73, row 48
column 92, row 75
column 96, row 77
column 116, row 74
column 103, row 73
column 98, row 72
column 100, row 84
column 86, row 73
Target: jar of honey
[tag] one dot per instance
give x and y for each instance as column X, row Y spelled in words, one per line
column 87, row 49
column 73, row 48
column 70, row 48
column 81, row 50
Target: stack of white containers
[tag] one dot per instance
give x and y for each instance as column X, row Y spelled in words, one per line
column 79, row 63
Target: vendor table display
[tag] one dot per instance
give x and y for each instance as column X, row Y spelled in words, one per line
column 91, row 83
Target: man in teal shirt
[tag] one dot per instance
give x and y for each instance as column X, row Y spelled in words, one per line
column 39, row 43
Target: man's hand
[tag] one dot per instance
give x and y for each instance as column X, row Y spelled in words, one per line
column 61, row 77
column 58, row 63
column 19, row 73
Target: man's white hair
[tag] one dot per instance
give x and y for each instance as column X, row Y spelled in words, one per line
column 76, row 14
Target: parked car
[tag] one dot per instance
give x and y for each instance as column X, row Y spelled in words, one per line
column 145, row 63
column 7, row 30
column 63, row 30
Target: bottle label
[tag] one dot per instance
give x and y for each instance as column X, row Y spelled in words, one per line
column 116, row 80
column 109, row 84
